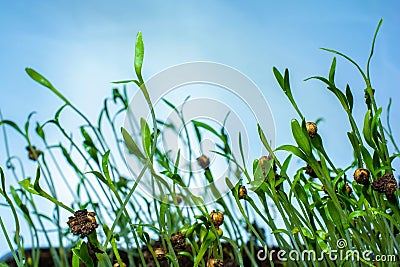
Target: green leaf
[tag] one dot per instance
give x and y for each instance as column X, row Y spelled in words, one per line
column 207, row 127
column 354, row 142
column 356, row 214
column 331, row 87
column 347, row 58
column 39, row 131
column 75, row 260
column 374, row 126
column 373, row 46
column 367, row 129
column 301, row 194
column 58, row 112
column 139, row 55
column 131, row 145
column 301, row 139
column 367, row 158
column 334, row 213
column 22, row 206
column 278, row 77
column 209, row 238
column 172, row 106
column 100, row 176
column 105, row 168
column 286, row 84
column 163, row 211
column 285, row 165
column 124, row 82
column 83, row 254
column 332, row 71
column 26, row 184
column 349, row 96
column 89, row 145
column 146, row 136
column 317, row 143
column 13, row 125
column 294, row 150
column 43, row 81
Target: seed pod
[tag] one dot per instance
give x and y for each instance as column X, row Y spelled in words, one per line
column 348, row 189
column 160, row 253
column 310, row 171
column 215, row 263
column 203, row 161
column 312, row 129
column 361, row 176
column 385, row 185
column 242, row 192
column 83, row 223
column 217, row 218
column 33, row 153
column 178, row 240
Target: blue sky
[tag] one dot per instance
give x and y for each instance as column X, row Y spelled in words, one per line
column 81, row 46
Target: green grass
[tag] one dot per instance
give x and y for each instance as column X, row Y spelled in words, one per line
column 317, row 212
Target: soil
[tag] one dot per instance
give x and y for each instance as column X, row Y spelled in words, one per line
column 47, row 261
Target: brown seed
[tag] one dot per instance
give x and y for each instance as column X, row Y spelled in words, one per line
column 385, row 185
column 242, row 192
column 348, row 189
column 83, row 223
column 117, row 264
column 215, row 263
column 312, row 129
column 217, row 218
column 203, row 161
column 361, row 176
column 160, row 253
column 33, row 153
column 178, row 240
column 310, row 171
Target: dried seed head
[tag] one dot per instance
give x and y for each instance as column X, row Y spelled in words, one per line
column 178, row 240
column 203, row 161
column 117, row 264
column 312, row 129
column 215, row 263
column 33, row 153
column 83, row 223
column 361, row 176
column 348, row 189
column 217, row 218
column 242, row 192
column 160, row 253
column 385, row 185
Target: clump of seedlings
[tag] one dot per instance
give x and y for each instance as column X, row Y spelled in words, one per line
column 105, row 221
